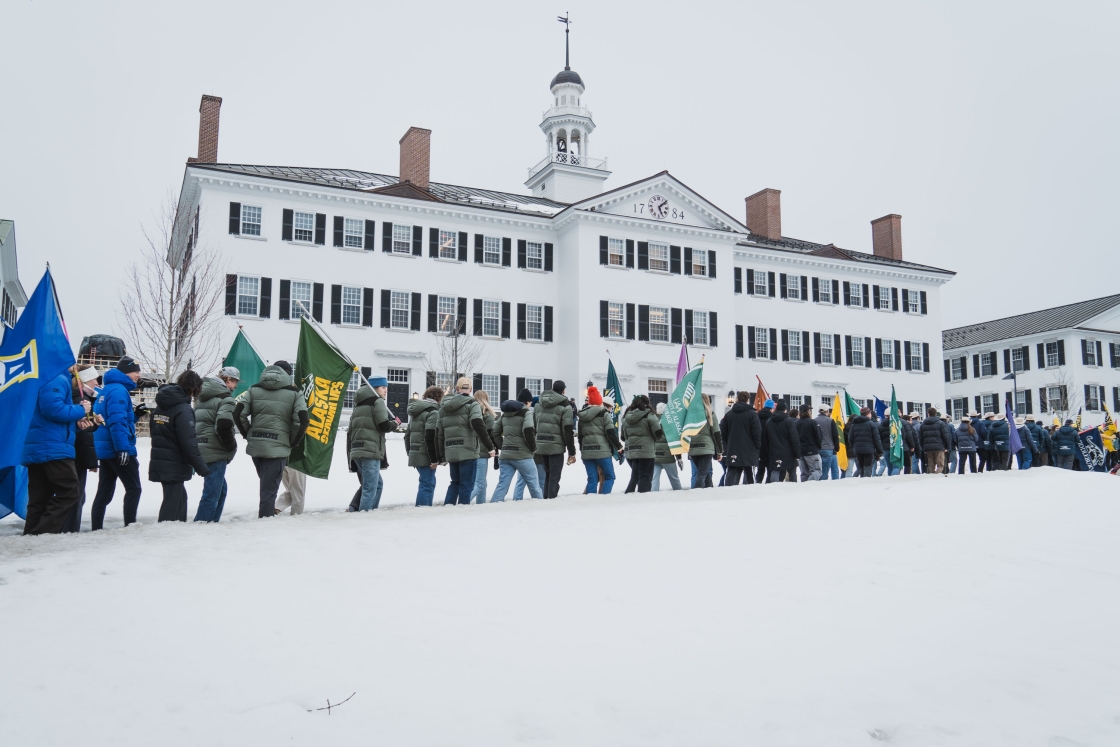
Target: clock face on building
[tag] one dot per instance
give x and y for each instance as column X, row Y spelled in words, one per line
column 658, row 207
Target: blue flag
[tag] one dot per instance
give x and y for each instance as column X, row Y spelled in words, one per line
column 881, row 408
column 33, row 353
column 1013, row 440
column 1090, row 450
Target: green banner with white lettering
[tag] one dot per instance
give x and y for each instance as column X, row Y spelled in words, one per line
column 684, row 414
column 322, row 375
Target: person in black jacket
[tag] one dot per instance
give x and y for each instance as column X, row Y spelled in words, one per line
column 936, row 441
column 862, row 437
column 782, row 445
column 810, row 438
column 174, row 446
column 764, row 416
column 742, row 439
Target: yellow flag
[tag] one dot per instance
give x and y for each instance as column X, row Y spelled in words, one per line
column 1108, row 430
column 841, row 447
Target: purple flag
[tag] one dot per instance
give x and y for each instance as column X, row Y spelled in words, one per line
column 682, row 363
column 1013, row 440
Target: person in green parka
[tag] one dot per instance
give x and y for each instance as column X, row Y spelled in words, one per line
column 598, row 441
column 213, row 427
column 478, row 495
column 705, row 445
column 370, row 420
column 516, row 436
column 555, row 423
column 641, row 430
column 420, row 442
column 461, row 433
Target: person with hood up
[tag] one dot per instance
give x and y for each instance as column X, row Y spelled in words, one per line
column 116, row 443
column 272, row 418
column 175, row 455
column 1025, row 456
column 598, row 441
column 420, row 442
column 555, row 423
column 764, row 416
column 1065, row 444
column 983, row 453
column 481, row 465
column 741, row 431
column 782, row 444
column 967, row 440
column 515, row 435
column 664, row 460
column 213, row 428
column 936, row 440
column 461, row 433
column 830, row 441
column 810, row 437
column 641, row 430
column 85, row 453
column 999, row 442
column 705, row 446
column 864, row 444
column 370, row 420
column 1038, row 434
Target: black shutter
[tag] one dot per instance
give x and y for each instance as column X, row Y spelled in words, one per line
column 386, row 295
column 738, row 272
column 894, row 299
column 286, row 228
column 847, row 294
column 415, row 326
column 476, row 382
column 1112, row 348
column 947, row 367
column 366, row 372
column 231, row 295
column 367, row 307
column 321, row 229
column 848, row 349
column 521, row 252
column 712, row 263
column 433, row 242
column 1100, row 356
column 433, row 312
column 867, row 352
column 507, row 252
column 770, row 280
column 505, row 319
column 866, row 300
column 1116, row 399
column 336, row 304
column 604, row 319
column 816, row 290
column 235, row 218
column 782, row 285
column 1025, row 351
column 477, row 317
column 548, row 257
column 836, row 349
column 676, row 318
column 750, row 282
column 773, row 344
column 976, row 400
column 688, row 326
column 417, row 241
column 629, row 321
column 371, row 235
column 503, row 387
column 675, row 260
column 266, row 297
column 875, row 296
column 386, row 236
column 713, row 329
column 750, row 342
column 688, row 260
column 964, row 368
column 462, row 246
column 284, row 311
column 643, row 255
column 836, row 293
column 1062, row 356
column 520, row 322
column 897, row 355
column 1007, row 360
column 804, row 287
column 604, row 252
column 906, row 354
column 479, row 257
column 1030, row 405
column 785, row 344
column 923, row 303
column 816, row 345
column 879, row 355
column 1065, row 397
column 905, row 301
column 630, row 253
column 338, row 230
column 643, row 322
column 317, row 302
column 976, row 365
column 548, row 324
column 1087, row 395
column 1042, row 399
column 519, row 384
column 461, row 316
column 738, row 340
column 808, row 400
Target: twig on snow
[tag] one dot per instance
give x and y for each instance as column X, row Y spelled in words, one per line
column 330, row 705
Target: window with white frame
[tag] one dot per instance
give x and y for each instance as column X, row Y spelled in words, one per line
column 956, row 368
column 699, row 328
column 828, row 355
column 658, row 386
column 825, row 290
column 1017, row 359
column 616, row 251
column 492, row 250
column 1090, row 353
column 491, row 318
column 535, row 386
column 448, row 245
column 1092, row 397
column 914, row 302
column 761, row 342
column 888, row 354
column 915, row 356
column 658, row 257
column 1021, row 402
column 958, row 408
column 989, row 402
column 301, row 299
column 534, row 322
column 250, row 220
column 491, row 384
column 1054, row 397
column 761, row 283
column 855, row 293
column 402, row 239
column 446, row 307
column 352, row 388
column 351, row 305
column 793, row 287
column 795, row 401
column 826, row 401
column 700, row 263
column 353, row 233
column 859, row 357
column 534, row 255
column 795, row 351
column 659, row 323
column 303, row 227
column 885, row 297
column 400, row 308
column 248, row 295
column 445, row 380
column 1052, row 358
column 987, row 364
column 397, row 375
column 616, row 319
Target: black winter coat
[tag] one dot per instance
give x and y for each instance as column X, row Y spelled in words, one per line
column 862, row 436
column 935, row 435
column 909, row 436
column 967, row 442
column 764, row 416
column 809, row 435
column 884, row 426
column 742, row 436
column 1065, row 441
column 982, row 428
column 999, row 436
column 781, row 441
column 174, row 446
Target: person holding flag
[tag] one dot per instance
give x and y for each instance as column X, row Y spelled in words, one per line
column 830, row 440
column 896, row 451
column 48, row 453
column 213, row 424
column 841, row 436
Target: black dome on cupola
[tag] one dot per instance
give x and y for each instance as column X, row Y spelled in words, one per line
column 566, row 75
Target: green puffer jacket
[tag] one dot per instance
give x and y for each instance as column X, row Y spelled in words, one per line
column 554, row 421
column 488, row 424
column 514, row 432
column 420, row 438
column 708, row 442
column 661, row 453
column 460, row 428
column 641, row 430
column 369, row 422
column 213, row 422
column 596, row 432
column 271, row 415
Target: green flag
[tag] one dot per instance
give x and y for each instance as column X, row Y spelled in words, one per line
column 896, row 432
column 850, row 406
column 613, row 389
column 684, row 414
column 243, row 356
column 322, row 375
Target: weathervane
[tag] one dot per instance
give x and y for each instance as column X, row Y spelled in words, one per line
column 567, row 23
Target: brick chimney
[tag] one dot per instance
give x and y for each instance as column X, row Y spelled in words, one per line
column 416, row 147
column 764, row 213
column 208, row 112
column 886, row 236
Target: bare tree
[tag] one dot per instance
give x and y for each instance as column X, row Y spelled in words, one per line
column 453, row 354
column 169, row 306
column 1070, row 398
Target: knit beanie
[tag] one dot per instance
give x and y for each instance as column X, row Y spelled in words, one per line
column 593, row 396
column 525, row 396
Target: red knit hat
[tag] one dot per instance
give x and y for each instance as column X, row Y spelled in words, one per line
column 593, row 396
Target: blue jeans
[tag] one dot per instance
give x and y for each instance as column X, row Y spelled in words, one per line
column 213, row 493
column 526, row 468
column 478, row 494
column 369, row 473
column 519, row 486
column 1025, row 458
column 592, row 467
column 952, row 459
column 829, row 467
column 462, row 482
column 427, row 490
column 670, row 469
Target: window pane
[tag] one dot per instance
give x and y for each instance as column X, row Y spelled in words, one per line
column 658, row 386
column 826, row 348
column 761, row 283
column 915, row 355
column 448, row 245
column 617, row 320
column 353, row 233
column 659, row 257
column 352, row 389
column 445, row 313
column 491, row 384
column 248, row 290
column 492, row 250
column 659, row 323
column 793, row 287
column 351, row 305
column 301, row 299
column 399, row 310
column 955, row 369
column 617, row 250
column 534, row 386
column 1051, row 354
column 857, row 351
column 397, row 375
column 914, row 302
column 794, row 337
column 491, row 318
column 884, row 297
column 304, row 227
column 250, row 220
column 700, row 263
column 402, row 239
column 534, row 255
column 856, row 294
column 888, row 353
column 534, row 322
column 699, row 327
column 825, row 286
column 762, row 342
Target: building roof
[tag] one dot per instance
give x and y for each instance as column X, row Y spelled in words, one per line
column 364, row 181
column 566, row 76
column 831, row 251
column 1033, row 323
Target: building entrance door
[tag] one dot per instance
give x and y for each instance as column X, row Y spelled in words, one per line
column 397, row 397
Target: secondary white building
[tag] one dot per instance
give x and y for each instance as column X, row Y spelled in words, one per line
column 545, row 283
column 12, row 296
column 1063, row 359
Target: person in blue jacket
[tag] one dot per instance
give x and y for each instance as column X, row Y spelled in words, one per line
column 116, row 443
column 983, row 446
column 1065, row 445
column 48, row 453
column 999, row 443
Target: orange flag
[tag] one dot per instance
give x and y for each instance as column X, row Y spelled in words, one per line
column 760, row 396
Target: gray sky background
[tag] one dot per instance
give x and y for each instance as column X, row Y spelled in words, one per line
column 992, row 128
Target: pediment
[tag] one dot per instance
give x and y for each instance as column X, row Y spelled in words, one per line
column 405, row 189
column 662, row 198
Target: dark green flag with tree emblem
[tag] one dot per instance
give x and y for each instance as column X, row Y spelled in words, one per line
column 322, row 375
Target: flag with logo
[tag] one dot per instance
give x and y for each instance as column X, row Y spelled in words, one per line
column 1077, row 420
column 33, row 353
column 896, row 453
column 1091, row 451
column 322, row 374
column 243, row 356
column 684, row 414
column 851, row 407
column 1108, row 430
column 841, row 444
column 613, row 389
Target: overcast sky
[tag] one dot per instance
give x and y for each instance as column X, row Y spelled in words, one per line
column 992, row 128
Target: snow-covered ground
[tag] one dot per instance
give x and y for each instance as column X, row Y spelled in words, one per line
column 923, row 610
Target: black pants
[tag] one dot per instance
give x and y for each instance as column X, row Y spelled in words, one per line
column 982, row 459
column 971, row 458
column 109, row 471
column 865, row 462
column 270, row 471
column 641, row 475
column 907, row 462
column 1001, row 460
column 760, row 474
column 74, row 523
column 703, row 467
column 735, row 473
column 784, row 473
column 553, row 465
column 52, row 493
column 174, row 506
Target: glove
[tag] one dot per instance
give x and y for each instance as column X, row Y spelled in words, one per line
column 123, row 458
column 140, row 410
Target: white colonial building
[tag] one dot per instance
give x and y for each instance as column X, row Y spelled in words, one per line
column 1052, row 362
column 12, row 296
column 545, row 283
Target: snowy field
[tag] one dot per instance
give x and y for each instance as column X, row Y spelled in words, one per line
column 921, row 610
